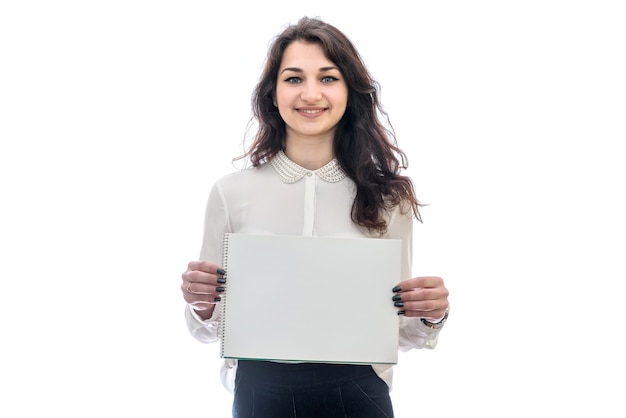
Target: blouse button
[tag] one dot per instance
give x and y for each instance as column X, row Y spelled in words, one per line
column 309, row 174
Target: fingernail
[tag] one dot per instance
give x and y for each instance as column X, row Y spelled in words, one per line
column 396, row 297
column 401, row 312
column 220, row 289
column 396, row 289
column 398, row 304
column 221, row 280
column 217, row 299
column 221, row 272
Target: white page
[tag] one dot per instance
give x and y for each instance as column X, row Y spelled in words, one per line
column 310, row 299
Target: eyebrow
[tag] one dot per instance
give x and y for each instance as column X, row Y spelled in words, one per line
column 299, row 70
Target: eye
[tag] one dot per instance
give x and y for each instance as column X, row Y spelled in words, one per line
column 294, row 80
column 329, row 79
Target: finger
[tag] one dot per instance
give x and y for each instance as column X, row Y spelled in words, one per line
column 206, row 267
column 199, row 292
column 422, row 294
column 204, row 302
column 424, row 306
column 433, row 316
column 428, row 310
column 195, row 288
column 418, row 282
column 197, row 276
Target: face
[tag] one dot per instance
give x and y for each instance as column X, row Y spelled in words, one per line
column 311, row 93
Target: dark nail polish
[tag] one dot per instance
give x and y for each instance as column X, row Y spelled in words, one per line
column 396, row 289
column 221, row 272
column 221, row 280
column 401, row 312
column 220, row 289
column 396, row 297
column 399, row 304
column 217, row 299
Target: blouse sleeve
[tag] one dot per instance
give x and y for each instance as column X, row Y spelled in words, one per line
column 413, row 333
column 216, row 223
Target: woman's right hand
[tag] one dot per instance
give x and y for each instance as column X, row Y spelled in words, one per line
column 202, row 286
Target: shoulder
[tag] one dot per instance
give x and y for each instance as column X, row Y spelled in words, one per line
column 243, row 176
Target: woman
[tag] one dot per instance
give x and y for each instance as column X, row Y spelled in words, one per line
column 318, row 114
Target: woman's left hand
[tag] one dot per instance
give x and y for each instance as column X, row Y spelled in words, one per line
column 424, row 297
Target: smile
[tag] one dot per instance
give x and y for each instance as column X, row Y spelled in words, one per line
column 311, row 111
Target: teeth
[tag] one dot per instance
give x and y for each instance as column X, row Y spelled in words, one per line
column 311, row 111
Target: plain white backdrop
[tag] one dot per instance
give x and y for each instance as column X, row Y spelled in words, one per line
column 116, row 117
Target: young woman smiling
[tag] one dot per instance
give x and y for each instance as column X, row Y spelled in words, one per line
column 319, row 117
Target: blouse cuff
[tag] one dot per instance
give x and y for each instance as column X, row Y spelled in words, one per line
column 415, row 334
column 203, row 330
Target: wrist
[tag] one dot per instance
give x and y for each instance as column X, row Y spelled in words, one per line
column 203, row 311
column 436, row 324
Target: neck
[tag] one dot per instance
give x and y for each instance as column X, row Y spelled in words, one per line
column 310, row 155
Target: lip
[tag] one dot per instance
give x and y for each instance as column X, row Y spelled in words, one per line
column 311, row 112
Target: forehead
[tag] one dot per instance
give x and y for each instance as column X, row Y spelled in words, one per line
column 302, row 55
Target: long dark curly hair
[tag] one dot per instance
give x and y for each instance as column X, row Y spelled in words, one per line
column 365, row 147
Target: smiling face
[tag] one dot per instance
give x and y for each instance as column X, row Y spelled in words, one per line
column 311, row 93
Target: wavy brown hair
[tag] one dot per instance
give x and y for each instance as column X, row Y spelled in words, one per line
column 365, row 147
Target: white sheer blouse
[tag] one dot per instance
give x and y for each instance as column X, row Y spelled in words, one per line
column 283, row 198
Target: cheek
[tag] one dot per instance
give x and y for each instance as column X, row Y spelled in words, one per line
column 341, row 100
column 282, row 94
column 277, row 95
column 343, row 96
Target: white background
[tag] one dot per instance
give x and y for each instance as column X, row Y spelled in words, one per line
column 116, row 117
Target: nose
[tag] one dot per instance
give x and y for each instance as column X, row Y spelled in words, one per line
column 311, row 92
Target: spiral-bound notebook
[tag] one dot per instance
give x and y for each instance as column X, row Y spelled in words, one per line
column 315, row 299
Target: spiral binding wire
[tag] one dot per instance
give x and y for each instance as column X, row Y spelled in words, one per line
column 224, row 296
